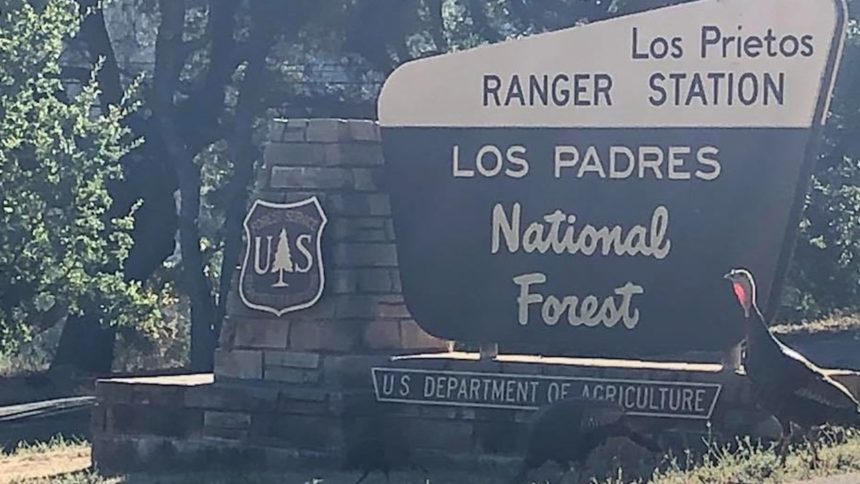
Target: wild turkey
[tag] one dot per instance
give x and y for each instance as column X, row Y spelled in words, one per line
column 376, row 442
column 785, row 383
column 567, row 431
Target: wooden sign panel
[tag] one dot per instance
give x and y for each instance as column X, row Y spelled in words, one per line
column 585, row 190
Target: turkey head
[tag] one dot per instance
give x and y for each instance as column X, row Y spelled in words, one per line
column 743, row 286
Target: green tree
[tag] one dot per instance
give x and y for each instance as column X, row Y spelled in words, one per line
column 59, row 254
column 825, row 271
column 200, row 108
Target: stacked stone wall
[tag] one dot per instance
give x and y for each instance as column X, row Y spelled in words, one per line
column 289, row 381
column 361, row 310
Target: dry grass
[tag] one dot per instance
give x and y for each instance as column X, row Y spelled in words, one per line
column 44, row 460
column 750, row 463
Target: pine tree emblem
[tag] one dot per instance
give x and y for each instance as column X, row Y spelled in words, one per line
column 283, row 260
column 283, row 266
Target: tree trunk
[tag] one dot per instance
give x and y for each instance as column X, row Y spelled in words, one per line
column 193, row 275
column 85, row 346
column 169, row 60
column 241, row 147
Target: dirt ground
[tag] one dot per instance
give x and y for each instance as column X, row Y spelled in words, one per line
column 62, row 462
column 36, row 465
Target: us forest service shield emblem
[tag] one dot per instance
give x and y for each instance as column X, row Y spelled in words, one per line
column 283, row 267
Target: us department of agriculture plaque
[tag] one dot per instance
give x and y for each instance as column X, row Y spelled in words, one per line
column 585, row 189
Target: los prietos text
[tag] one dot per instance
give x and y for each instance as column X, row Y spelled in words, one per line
column 665, row 87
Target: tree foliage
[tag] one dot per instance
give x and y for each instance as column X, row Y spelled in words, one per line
column 58, row 252
column 825, row 272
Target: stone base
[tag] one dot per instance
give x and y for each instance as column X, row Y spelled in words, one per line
column 194, row 421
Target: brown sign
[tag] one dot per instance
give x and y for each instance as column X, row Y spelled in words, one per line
column 551, row 196
column 283, row 268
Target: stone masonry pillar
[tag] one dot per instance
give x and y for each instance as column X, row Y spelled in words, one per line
column 361, row 310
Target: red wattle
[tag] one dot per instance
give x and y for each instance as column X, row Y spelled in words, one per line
column 740, row 293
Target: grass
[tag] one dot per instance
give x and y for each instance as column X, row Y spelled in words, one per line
column 748, row 462
column 58, row 443
column 58, row 456
column 744, row 462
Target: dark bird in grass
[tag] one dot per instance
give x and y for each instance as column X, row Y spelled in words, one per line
column 567, row 431
column 785, row 383
column 375, row 442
